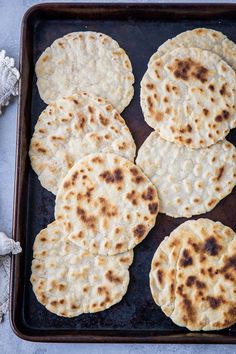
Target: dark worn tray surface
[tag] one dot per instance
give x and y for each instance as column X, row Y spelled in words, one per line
column 139, row 30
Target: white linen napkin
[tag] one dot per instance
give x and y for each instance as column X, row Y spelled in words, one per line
column 7, row 246
column 9, row 77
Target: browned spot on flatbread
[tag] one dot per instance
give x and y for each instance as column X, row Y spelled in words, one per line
column 211, row 87
column 81, row 120
column 230, row 263
column 200, row 284
column 158, row 116
column 211, row 246
column 43, row 298
column 149, row 194
column 132, row 197
column 45, row 58
column 189, row 311
column 139, row 231
column 219, row 173
column 223, row 90
column 137, row 177
column 149, row 103
column 187, row 69
column 150, row 86
column 190, row 280
column 104, row 121
column 119, row 246
column 224, row 115
column 188, row 141
column 168, row 88
column 214, row 302
column 89, row 220
column 66, row 184
column 153, row 208
column 122, row 146
column 55, row 138
column 186, row 259
column 112, row 177
column 189, row 128
column 61, row 287
column 42, row 150
column 160, row 276
column 53, row 303
column 112, row 278
column 134, row 171
column 211, row 202
column 106, row 208
column 90, row 109
column 97, row 159
column 74, row 176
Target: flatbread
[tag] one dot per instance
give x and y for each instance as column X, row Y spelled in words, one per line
column 85, row 61
column 69, row 281
column 193, row 277
column 188, row 96
column 188, row 181
column 71, row 128
column 106, row 204
column 203, row 38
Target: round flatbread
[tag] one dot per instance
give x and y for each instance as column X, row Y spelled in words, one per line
column 188, row 181
column 203, row 38
column 85, row 61
column 193, row 277
column 188, row 96
column 71, row 128
column 69, row 281
column 106, row 204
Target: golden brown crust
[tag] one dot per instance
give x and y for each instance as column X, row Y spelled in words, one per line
column 198, row 260
column 69, row 281
column 71, row 128
column 188, row 96
column 106, row 204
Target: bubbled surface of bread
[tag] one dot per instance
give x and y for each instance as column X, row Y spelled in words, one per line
column 193, row 278
column 203, row 38
column 188, row 181
column 188, row 96
column 71, row 128
column 69, row 281
column 106, row 204
column 85, row 61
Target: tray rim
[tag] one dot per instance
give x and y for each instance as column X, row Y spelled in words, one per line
column 84, row 336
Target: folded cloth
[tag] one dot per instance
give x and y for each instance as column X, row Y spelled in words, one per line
column 9, row 77
column 7, row 246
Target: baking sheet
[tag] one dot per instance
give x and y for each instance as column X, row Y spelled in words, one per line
column 139, row 29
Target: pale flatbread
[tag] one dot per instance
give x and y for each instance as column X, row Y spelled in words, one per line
column 69, row 281
column 188, row 181
column 106, row 204
column 85, row 61
column 203, row 38
column 71, row 128
column 193, row 277
column 188, row 96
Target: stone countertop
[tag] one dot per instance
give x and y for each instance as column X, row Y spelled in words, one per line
column 11, row 12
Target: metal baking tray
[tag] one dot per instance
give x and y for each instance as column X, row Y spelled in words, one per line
column 139, row 29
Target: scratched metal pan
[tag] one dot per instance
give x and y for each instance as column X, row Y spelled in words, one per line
column 139, row 29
